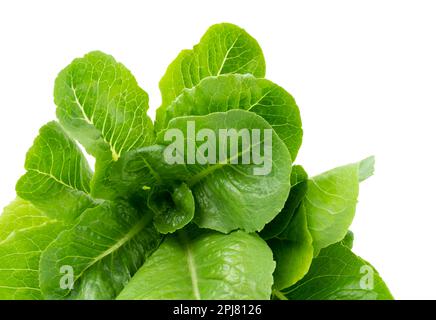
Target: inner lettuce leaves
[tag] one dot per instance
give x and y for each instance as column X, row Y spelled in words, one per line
column 159, row 217
column 230, row 196
column 174, row 208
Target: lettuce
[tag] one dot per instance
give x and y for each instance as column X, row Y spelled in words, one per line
column 205, row 203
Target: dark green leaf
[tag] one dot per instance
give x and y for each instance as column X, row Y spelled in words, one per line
column 283, row 219
column 173, row 208
column 294, row 254
column 231, row 196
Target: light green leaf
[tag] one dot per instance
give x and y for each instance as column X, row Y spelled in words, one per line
column 103, row 250
column 293, row 255
column 24, row 232
column 224, row 48
column 135, row 170
column 338, row 274
column 205, row 265
column 348, row 240
column 290, row 239
column 330, row 204
column 231, row 196
column 19, row 215
column 283, row 219
column 366, row 168
column 173, row 208
column 58, row 176
column 101, row 105
column 235, row 91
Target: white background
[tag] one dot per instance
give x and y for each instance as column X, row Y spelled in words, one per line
column 362, row 72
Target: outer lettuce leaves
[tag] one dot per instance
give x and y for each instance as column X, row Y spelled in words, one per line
column 366, row 168
column 330, row 204
column 24, row 233
column 205, row 265
column 338, row 274
column 103, row 249
column 224, row 48
column 330, row 199
column 58, row 176
column 19, row 215
column 101, row 105
column 235, row 91
column 229, row 196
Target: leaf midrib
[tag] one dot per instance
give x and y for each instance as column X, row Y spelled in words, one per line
column 191, row 265
column 227, row 54
column 115, row 155
column 51, row 176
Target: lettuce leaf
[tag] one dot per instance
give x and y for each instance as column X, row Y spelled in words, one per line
column 25, row 232
column 230, row 196
column 103, row 250
column 223, row 49
column 58, row 177
column 338, row 274
column 201, row 264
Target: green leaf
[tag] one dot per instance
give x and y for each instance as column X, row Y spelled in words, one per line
column 366, row 168
column 289, row 237
column 18, row 215
column 224, row 48
column 205, row 265
column 101, row 105
column 58, row 176
column 330, row 204
column 24, row 232
column 173, row 209
column 135, row 170
column 235, row 91
column 338, row 274
column 103, row 250
column 348, row 240
column 231, row 196
column 283, row 219
column 294, row 254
